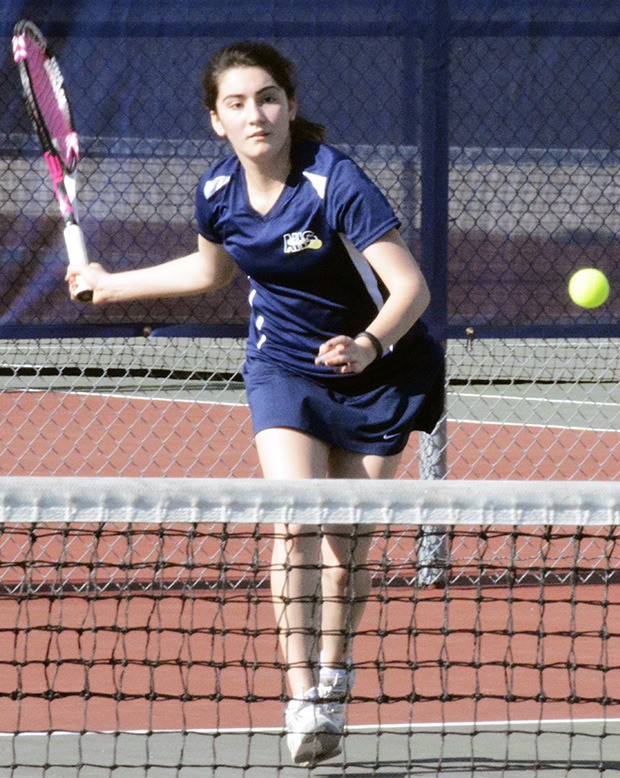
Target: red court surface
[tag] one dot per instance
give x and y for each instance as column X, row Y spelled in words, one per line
column 80, row 648
column 72, row 434
column 64, row 659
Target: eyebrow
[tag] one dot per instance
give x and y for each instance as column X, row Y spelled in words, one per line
column 260, row 91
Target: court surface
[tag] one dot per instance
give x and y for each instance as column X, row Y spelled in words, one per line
column 503, row 419
column 518, row 431
column 400, row 751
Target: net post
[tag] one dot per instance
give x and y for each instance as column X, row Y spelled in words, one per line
column 433, row 551
column 434, row 246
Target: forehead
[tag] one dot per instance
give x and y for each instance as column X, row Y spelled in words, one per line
column 244, row 81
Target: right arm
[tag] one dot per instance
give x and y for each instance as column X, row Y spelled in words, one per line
column 207, row 269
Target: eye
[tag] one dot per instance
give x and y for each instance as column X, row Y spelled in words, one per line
column 233, row 103
column 270, row 98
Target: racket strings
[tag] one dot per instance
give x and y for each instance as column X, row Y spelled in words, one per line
column 51, row 103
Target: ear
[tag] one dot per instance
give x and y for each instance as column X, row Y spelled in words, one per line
column 292, row 107
column 217, row 124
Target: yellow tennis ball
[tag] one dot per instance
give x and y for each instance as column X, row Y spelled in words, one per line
column 588, row 287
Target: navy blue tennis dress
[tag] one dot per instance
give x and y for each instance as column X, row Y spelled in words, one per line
column 309, row 281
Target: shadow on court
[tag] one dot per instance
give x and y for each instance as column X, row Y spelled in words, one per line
column 583, row 749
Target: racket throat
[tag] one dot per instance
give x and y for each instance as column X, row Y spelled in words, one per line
column 61, row 189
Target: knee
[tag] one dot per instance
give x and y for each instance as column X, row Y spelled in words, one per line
column 346, row 580
column 295, row 543
column 338, row 576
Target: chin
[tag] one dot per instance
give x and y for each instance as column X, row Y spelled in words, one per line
column 264, row 152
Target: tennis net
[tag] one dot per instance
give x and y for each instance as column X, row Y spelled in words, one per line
column 138, row 635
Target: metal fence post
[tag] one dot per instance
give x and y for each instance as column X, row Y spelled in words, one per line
column 433, row 549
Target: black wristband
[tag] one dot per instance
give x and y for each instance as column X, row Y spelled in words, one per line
column 375, row 342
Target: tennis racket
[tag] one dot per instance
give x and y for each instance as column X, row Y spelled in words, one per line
column 49, row 109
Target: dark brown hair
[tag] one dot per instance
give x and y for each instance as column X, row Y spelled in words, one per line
column 257, row 54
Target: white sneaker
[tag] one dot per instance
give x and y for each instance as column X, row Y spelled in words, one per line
column 312, row 732
column 335, row 686
column 336, row 683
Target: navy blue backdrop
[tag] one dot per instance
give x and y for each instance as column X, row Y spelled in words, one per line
column 492, row 126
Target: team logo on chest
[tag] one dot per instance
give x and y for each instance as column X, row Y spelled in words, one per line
column 294, row 242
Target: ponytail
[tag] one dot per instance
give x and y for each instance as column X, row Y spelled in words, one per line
column 303, row 129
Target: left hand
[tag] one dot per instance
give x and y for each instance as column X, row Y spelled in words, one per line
column 346, row 355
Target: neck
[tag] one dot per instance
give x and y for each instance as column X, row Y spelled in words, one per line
column 265, row 180
column 265, row 175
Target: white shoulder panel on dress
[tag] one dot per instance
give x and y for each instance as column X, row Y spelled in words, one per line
column 318, row 182
column 213, row 185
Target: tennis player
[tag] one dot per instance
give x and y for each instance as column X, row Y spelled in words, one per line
column 339, row 368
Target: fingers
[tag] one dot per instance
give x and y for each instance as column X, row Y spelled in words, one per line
column 335, row 354
column 71, row 277
column 343, row 355
column 78, row 278
column 75, row 282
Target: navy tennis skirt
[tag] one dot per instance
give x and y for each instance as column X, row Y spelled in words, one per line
column 370, row 413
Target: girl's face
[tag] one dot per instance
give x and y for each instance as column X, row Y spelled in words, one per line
column 253, row 113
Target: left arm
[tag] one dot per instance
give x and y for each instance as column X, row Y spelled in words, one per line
column 408, row 298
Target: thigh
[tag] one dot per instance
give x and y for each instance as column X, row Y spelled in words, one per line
column 289, row 453
column 345, row 543
column 347, row 464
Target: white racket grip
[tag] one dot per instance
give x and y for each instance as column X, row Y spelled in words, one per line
column 76, row 251
column 76, row 248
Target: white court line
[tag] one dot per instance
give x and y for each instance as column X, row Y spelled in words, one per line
column 522, row 425
column 141, row 398
column 454, row 420
column 387, row 728
column 517, row 398
column 539, row 399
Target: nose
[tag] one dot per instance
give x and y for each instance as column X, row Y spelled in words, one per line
column 254, row 112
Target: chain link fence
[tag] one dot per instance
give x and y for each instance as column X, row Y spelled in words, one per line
column 493, row 130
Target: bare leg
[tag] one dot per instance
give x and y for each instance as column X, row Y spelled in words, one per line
column 296, row 592
column 317, row 610
column 346, row 581
column 295, row 571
